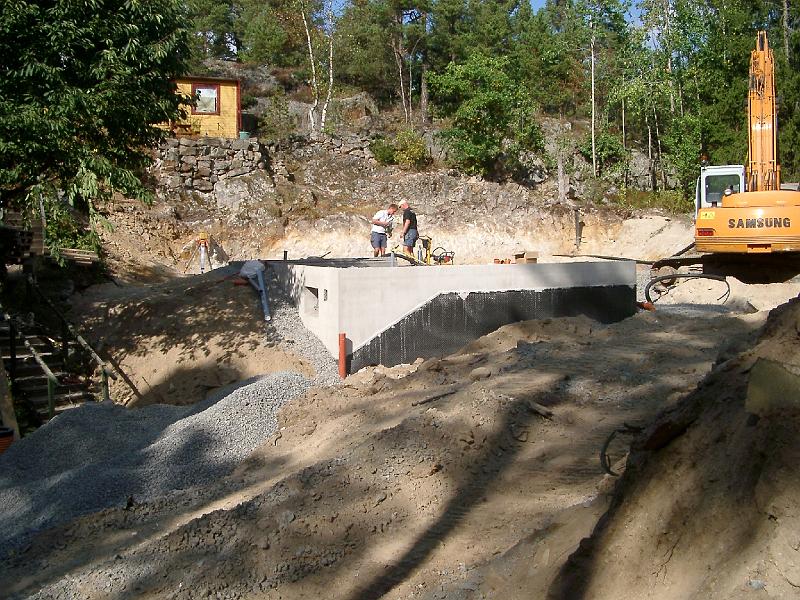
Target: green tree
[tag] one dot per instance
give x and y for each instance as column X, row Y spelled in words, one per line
column 362, row 44
column 608, row 149
column 683, row 142
column 212, row 22
column 549, row 67
column 450, row 24
column 271, row 31
column 82, row 87
column 491, row 115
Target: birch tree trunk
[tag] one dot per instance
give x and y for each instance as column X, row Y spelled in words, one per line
column 594, row 149
column 398, row 59
column 312, row 113
column 668, row 49
column 625, row 146
column 409, row 112
column 423, row 94
column 658, row 145
column 329, row 93
column 786, row 28
column 651, row 164
column 423, row 82
column 399, row 53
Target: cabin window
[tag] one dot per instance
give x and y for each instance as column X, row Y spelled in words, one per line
column 207, row 99
column 717, row 184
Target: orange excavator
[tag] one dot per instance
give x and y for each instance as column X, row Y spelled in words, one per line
column 742, row 209
column 744, row 221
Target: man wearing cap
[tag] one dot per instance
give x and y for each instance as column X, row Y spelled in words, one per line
column 381, row 225
column 410, row 233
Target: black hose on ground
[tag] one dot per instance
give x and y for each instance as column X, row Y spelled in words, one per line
column 655, row 280
column 605, row 463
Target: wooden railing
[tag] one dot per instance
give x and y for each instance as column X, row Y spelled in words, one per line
column 68, row 330
column 52, row 380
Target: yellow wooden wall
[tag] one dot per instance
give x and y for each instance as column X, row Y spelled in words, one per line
column 225, row 124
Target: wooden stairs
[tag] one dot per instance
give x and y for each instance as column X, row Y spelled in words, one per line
column 44, row 396
column 29, row 242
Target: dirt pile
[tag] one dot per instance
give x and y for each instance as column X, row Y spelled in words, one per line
column 180, row 339
column 710, row 502
column 423, row 481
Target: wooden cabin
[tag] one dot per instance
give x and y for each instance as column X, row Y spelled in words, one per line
column 217, row 111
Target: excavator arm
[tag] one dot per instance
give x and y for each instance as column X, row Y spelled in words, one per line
column 763, row 171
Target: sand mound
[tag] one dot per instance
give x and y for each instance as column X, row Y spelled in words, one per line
column 709, row 506
column 180, row 339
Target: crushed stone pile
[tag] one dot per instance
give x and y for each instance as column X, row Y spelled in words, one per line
column 99, row 455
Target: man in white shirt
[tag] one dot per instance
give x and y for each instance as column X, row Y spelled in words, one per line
column 381, row 225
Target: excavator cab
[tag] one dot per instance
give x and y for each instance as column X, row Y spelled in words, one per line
column 716, row 183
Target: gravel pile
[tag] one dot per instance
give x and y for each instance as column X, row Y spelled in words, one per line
column 287, row 327
column 98, row 455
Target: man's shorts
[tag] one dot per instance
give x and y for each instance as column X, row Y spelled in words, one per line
column 411, row 238
column 378, row 240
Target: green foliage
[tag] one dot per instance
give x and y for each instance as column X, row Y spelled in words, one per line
column 491, row 115
column 265, row 41
column 259, row 31
column 82, row 87
column 212, row 22
column 248, row 101
column 608, row 149
column 276, row 122
column 683, row 143
column 271, row 32
column 672, row 201
column 66, row 228
column 383, row 151
column 410, row 151
column 363, row 55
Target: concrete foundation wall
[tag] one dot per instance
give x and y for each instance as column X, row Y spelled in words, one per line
column 451, row 320
column 364, row 302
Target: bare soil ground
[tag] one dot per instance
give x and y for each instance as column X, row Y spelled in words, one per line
column 709, row 505
column 179, row 339
column 381, row 488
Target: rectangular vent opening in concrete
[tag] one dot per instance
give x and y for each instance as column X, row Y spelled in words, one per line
column 310, row 301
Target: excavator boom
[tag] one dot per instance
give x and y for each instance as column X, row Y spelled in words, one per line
column 763, row 171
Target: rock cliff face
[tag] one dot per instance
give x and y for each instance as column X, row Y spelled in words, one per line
column 316, row 197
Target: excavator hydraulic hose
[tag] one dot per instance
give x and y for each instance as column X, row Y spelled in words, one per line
column 655, row 280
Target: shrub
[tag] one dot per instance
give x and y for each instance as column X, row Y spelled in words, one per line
column 673, row 201
column 491, row 115
column 277, row 123
column 410, row 151
column 248, row 101
column 383, row 151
